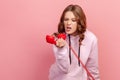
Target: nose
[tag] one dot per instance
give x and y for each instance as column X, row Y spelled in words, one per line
column 69, row 22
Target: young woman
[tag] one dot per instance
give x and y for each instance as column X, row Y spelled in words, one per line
column 84, row 42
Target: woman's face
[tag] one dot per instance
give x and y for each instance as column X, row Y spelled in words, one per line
column 70, row 23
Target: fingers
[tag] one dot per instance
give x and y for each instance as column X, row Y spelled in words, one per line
column 60, row 42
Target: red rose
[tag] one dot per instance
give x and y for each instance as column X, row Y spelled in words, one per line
column 61, row 35
column 50, row 39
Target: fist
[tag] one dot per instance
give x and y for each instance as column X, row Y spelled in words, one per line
column 60, row 42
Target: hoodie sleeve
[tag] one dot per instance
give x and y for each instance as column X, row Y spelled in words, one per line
column 92, row 63
column 62, row 58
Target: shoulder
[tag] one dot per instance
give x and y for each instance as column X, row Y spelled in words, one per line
column 90, row 36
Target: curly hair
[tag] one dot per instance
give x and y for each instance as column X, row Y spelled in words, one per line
column 81, row 20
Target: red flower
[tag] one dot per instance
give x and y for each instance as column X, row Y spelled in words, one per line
column 61, row 35
column 50, row 39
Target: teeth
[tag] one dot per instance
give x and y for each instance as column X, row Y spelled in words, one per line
column 68, row 27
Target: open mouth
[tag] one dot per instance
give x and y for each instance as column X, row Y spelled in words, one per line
column 68, row 28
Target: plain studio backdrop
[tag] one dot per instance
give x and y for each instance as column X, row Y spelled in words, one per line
column 24, row 53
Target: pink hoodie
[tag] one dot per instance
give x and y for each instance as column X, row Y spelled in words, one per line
column 63, row 70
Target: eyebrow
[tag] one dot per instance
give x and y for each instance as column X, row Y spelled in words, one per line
column 68, row 18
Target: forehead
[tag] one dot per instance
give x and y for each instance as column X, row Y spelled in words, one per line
column 69, row 14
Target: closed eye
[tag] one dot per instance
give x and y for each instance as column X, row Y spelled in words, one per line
column 74, row 20
column 66, row 19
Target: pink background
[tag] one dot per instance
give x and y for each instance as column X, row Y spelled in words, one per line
column 24, row 54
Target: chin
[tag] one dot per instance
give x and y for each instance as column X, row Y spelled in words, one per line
column 71, row 33
column 68, row 33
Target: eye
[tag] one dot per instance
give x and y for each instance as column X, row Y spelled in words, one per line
column 74, row 20
column 66, row 19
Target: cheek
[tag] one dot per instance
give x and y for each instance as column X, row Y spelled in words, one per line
column 65, row 24
column 75, row 27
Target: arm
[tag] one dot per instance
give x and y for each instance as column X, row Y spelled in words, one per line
column 62, row 57
column 92, row 63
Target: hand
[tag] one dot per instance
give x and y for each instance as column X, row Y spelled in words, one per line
column 60, row 42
